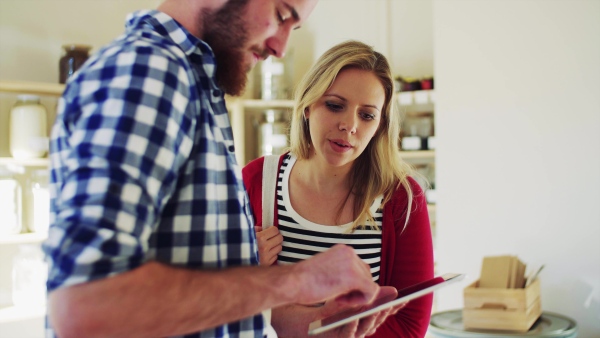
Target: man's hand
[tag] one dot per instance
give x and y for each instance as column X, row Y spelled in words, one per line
column 337, row 273
column 269, row 244
column 364, row 326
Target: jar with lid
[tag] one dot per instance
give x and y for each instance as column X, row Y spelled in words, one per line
column 41, row 201
column 28, row 128
column 10, row 203
column 29, row 276
column 273, row 86
column 74, row 57
column 272, row 135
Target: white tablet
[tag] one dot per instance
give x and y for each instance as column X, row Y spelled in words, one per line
column 383, row 303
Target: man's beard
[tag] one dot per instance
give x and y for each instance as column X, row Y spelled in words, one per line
column 225, row 32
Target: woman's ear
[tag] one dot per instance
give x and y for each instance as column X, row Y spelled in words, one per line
column 306, row 114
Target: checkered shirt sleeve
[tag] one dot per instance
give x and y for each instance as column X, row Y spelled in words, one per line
column 143, row 165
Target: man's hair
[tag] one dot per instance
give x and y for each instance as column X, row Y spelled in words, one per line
column 379, row 169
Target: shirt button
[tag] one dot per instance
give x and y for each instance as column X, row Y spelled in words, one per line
column 216, row 92
column 231, row 148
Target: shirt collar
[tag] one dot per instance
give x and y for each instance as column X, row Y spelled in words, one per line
column 168, row 27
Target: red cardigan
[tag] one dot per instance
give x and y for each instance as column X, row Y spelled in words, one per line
column 407, row 256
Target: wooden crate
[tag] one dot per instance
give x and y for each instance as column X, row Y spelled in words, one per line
column 501, row 309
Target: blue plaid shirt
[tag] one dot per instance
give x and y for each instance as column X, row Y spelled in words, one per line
column 143, row 165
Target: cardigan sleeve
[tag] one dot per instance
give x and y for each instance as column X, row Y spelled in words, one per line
column 252, row 176
column 410, row 255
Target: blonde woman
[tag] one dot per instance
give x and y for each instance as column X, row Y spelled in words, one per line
column 343, row 181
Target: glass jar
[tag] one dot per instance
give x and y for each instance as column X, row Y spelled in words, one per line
column 29, row 276
column 272, row 135
column 75, row 56
column 28, row 128
column 41, row 201
column 273, row 86
column 10, row 203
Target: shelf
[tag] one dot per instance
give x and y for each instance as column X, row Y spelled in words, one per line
column 23, row 238
column 268, row 104
column 36, row 88
column 418, row 155
column 29, row 162
column 16, row 313
column 416, row 97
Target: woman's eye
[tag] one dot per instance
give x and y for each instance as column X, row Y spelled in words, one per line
column 368, row 116
column 334, row 106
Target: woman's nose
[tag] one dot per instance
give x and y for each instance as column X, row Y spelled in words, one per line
column 348, row 125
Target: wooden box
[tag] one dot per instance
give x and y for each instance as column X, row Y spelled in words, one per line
column 501, row 309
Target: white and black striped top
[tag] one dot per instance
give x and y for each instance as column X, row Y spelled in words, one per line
column 303, row 239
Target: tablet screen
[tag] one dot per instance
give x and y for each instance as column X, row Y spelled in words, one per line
column 383, row 303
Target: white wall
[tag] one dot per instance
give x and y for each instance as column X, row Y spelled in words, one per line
column 518, row 127
column 400, row 29
column 33, row 31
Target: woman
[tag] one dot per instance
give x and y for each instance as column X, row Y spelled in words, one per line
column 343, row 181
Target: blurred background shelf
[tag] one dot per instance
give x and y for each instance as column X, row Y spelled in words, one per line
column 30, row 162
column 19, row 313
column 421, row 156
column 35, row 88
column 23, row 238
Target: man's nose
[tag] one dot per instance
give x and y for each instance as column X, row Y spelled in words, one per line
column 277, row 44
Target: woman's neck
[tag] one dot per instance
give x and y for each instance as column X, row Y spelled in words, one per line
column 321, row 177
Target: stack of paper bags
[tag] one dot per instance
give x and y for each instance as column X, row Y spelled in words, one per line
column 504, row 272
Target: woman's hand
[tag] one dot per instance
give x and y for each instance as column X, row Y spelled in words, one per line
column 269, row 244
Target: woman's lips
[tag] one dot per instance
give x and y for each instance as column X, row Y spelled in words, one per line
column 340, row 146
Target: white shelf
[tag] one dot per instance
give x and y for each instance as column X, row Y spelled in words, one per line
column 418, row 156
column 268, row 104
column 36, row 88
column 23, row 238
column 416, row 97
column 30, row 162
column 16, row 313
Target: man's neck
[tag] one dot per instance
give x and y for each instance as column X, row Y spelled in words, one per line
column 189, row 13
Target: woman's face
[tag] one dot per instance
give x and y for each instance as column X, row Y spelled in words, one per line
column 345, row 119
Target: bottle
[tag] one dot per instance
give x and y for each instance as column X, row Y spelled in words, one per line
column 29, row 276
column 10, row 203
column 28, row 128
column 272, row 135
column 75, row 56
column 41, row 201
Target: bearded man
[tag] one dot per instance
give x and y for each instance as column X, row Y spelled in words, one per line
column 151, row 231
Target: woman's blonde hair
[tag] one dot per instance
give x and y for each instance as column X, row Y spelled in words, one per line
column 379, row 169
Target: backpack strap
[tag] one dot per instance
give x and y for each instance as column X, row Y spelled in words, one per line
column 269, row 184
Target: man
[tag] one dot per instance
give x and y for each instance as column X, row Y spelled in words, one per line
column 151, row 234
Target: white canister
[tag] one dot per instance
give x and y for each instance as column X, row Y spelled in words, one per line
column 29, row 276
column 41, row 201
column 272, row 133
column 10, row 203
column 28, row 128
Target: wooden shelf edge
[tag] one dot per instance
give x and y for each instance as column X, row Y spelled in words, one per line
column 30, row 162
column 24, row 238
column 416, row 97
column 268, row 104
column 418, row 154
column 14, row 313
column 36, row 88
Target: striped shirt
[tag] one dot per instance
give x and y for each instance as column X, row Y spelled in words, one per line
column 303, row 239
column 143, row 165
